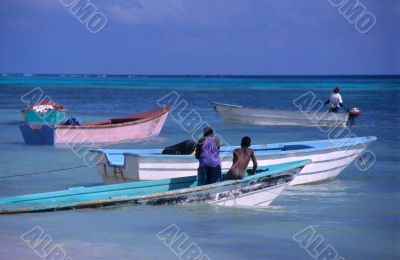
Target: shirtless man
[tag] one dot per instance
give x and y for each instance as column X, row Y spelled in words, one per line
column 241, row 159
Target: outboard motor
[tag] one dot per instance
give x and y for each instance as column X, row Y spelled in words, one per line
column 353, row 113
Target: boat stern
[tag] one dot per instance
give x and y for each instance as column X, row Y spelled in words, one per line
column 38, row 134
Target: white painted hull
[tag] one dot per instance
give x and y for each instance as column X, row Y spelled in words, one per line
column 259, row 199
column 242, row 115
column 326, row 164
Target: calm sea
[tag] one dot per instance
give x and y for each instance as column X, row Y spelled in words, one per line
column 357, row 214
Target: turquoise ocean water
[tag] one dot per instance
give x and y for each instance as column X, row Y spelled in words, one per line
column 358, row 213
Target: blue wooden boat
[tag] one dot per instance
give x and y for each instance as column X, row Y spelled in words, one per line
column 255, row 190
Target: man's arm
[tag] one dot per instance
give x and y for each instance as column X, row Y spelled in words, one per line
column 341, row 104
column 253, row 158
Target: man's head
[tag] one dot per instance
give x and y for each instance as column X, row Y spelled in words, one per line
column 246, row 142
column 336, row 90
column 208, row 131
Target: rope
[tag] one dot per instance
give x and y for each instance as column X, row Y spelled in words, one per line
column 49, row 171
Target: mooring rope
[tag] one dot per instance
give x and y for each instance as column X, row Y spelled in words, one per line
column 49, row 171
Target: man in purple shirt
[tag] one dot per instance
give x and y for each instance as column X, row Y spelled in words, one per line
column 207, row 152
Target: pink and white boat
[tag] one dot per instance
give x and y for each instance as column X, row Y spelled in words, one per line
column 115, row 130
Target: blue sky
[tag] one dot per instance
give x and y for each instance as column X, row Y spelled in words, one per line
column 263, row 37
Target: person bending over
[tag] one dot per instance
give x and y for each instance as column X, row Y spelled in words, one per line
column 207, row 152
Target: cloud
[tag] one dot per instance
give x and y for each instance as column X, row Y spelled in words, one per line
column 145, row 12
column 161, row 12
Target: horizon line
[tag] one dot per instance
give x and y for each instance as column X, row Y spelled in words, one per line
column 200, row 75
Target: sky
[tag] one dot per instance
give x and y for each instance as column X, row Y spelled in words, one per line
column 206, row 37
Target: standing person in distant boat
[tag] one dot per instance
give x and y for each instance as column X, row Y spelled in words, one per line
column 207, row 152
column 335, row 101
column 241, row 159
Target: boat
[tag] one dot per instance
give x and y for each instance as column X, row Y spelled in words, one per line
column 329, row 158
column 45, row 112
column 255, row 190
column 115, row 130
column 242, row 115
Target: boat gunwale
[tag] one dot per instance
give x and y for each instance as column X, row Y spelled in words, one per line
column 225, row 105
column 45, row 100
column 23, row 110
column 271, row 152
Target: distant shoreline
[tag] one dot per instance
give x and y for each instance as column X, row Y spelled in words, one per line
column 73, row 75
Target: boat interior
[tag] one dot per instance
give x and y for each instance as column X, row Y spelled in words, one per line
column 129, row 118
column 113, row 121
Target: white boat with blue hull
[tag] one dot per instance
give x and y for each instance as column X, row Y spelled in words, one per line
column 257, row 190
column 329, row 158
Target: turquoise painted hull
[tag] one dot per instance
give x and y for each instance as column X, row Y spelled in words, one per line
column 160, row 192
column 50, row 117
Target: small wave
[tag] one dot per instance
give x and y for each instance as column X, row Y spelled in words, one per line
column 12, row 122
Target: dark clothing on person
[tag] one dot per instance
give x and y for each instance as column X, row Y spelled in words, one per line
column 334, row 110
column 208, row 175
column 234, row 174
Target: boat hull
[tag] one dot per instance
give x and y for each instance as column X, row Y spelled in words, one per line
column 257, row 190
column 60, row 134
column 242, row 115
column 110, row 135
column 328, row 161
